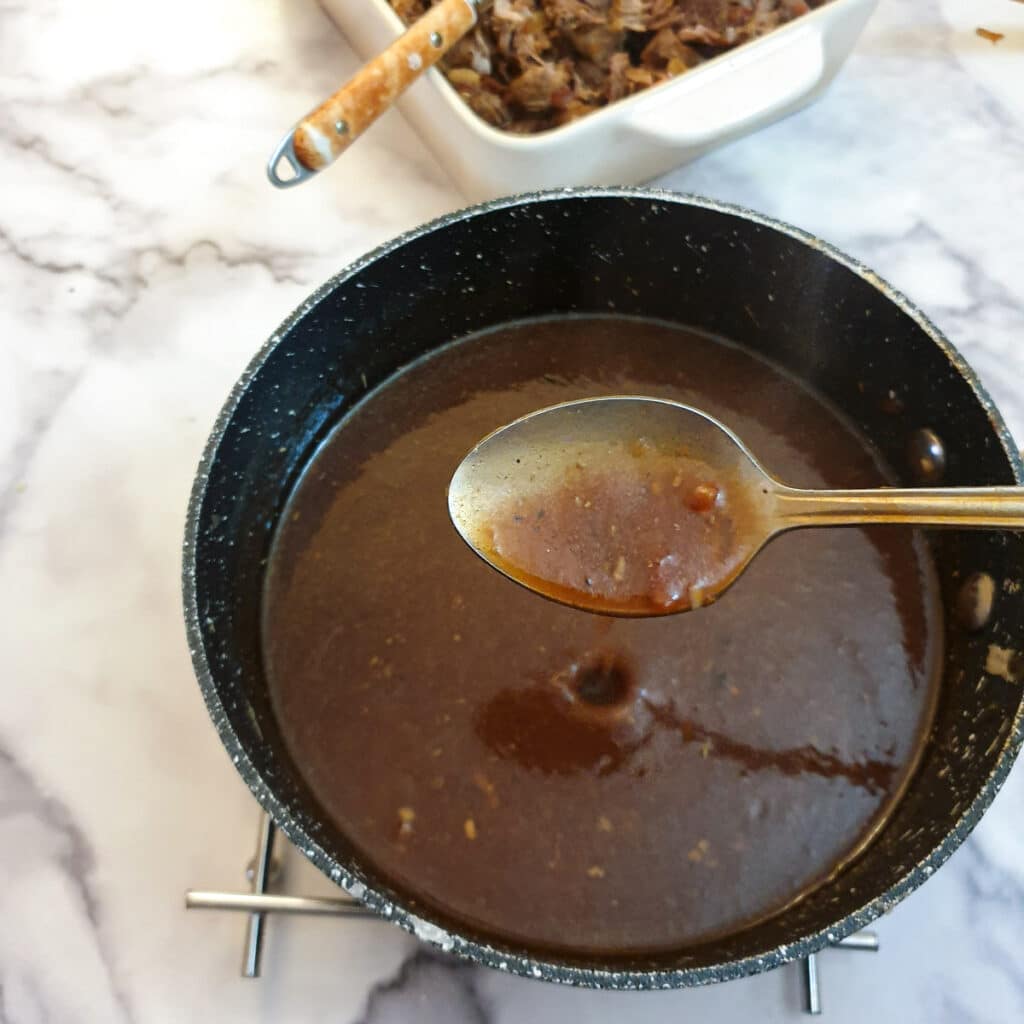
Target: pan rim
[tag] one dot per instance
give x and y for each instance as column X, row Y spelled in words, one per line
column 509, row 959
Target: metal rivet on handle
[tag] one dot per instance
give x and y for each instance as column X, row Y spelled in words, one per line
column 436, row 39
column 341, row 127
column 927, row 455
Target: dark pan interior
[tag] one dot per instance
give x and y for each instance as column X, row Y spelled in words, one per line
column 680, row 260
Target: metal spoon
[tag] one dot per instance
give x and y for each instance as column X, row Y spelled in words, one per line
column 328, row 130
column 641, row 506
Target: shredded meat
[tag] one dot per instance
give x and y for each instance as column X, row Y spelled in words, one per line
column 618, row 84
column 567, row 15
column 530, row 65
column 539, row 87
column 631, row 14
column 597, row 43
column 666, row 50
column 408, row 10
column 471, row 51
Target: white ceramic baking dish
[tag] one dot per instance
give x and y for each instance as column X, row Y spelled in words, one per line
column 635, row 139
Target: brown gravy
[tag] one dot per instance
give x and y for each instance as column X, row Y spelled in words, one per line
column 630, row 532
column 569, row 781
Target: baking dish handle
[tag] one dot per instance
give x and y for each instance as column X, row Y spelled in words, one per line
column 737, row 90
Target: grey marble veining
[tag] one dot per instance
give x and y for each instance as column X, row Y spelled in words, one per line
column 143, row 258
column 444, row 991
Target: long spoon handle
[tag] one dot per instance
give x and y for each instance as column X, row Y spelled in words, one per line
column 953, row 506
column 326, row 132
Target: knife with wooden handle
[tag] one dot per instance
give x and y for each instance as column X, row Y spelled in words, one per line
column 326, row 132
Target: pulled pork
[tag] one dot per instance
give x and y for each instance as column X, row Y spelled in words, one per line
column 530, row 65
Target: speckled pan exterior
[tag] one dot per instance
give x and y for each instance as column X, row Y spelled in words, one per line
column 680, row 258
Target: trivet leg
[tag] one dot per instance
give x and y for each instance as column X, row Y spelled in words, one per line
column 863, row 941
column 260, row 876
column 812, row 991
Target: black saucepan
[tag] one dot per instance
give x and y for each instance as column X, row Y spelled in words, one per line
column 692, row 261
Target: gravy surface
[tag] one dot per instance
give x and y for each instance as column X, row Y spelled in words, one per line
column 570, row 781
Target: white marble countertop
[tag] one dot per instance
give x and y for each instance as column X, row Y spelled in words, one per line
column 143, row 259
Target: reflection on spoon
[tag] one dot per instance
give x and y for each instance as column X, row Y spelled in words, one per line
column 641, row 506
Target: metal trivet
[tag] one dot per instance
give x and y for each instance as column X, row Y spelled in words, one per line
column 264, row 868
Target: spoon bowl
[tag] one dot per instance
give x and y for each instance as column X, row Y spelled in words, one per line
column 636, row 506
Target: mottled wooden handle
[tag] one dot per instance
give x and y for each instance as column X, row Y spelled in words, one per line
column 323, row 135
